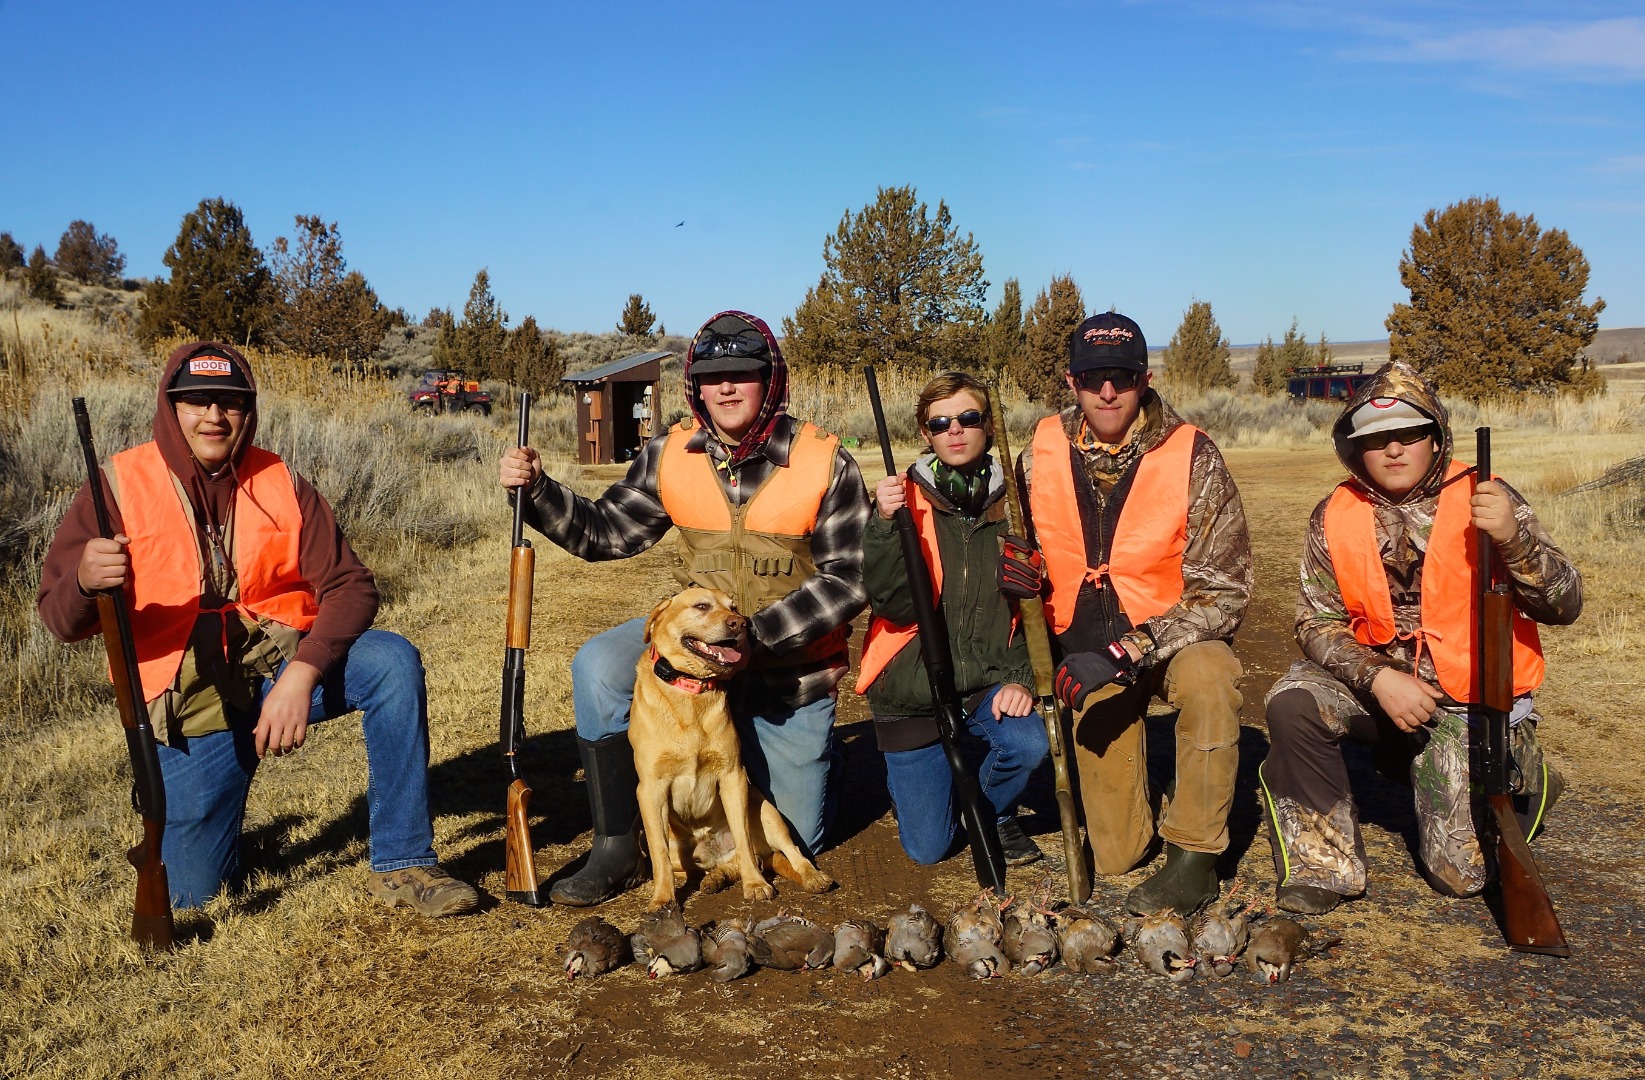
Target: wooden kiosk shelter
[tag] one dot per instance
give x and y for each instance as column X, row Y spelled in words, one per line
column 616, row 403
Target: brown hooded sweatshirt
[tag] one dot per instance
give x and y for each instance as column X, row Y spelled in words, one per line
column 210, row 684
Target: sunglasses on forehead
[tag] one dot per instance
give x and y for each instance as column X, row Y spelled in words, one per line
column 1403, row 436
column 970, row 418
column 748, row 342
column 1123, row 379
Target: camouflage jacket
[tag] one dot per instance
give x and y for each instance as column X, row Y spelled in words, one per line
column 1216, row 564
column 1546, row 586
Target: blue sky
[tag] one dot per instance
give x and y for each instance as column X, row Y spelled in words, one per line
column 1270, row 158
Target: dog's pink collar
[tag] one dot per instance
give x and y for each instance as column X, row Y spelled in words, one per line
column 673, row 677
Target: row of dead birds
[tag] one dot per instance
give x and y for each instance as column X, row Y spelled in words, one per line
column 987, row 937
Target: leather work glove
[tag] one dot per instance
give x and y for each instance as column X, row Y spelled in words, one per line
column 1022, row 569
column 1082, row 674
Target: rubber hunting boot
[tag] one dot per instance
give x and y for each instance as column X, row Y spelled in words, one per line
column 614, row 865
column 1305, row 899
column 1186, row 882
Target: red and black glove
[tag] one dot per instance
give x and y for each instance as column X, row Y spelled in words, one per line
column 1082, row 673
column 1022, row 569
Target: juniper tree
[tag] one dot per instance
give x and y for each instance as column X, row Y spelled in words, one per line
column 532, row 359
column 1496, row 303
column 1275, row 363
column 40, row 279
column 637, row 318
column 219, row 287
column 325, row 309
column 87, row 256
column 900, row 283
column 1197, row 356
column 11, row 254
column 1003, row 337
column 1055, row 314
column 1268, row 376
column 475, row 344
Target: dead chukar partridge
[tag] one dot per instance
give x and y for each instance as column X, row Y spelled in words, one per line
column 1029, row 941
column 1161, row 944
column 1088, row 941
column 914, row 939
column 791, row 942
column 594, row 948
column 665, row 944
column 973, row 937
column 1220, row 932
column 1278, row 945
column 726, row 950
column 859, row 946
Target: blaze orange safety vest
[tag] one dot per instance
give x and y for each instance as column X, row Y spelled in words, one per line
column 760, row 551
column 885, row 638
column 166, row 572
column 1449, row 572
column 1145, row 557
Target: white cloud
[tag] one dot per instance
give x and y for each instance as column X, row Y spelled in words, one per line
column 1605, row 50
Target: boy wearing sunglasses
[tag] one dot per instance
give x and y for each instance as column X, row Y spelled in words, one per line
column 1149, row 567
column 956, row 494
column 1385, row 622
column 251, row 617
column 770, row 510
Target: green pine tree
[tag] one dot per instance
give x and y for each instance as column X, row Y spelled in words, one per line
column 1041, row 364
column 219, row 286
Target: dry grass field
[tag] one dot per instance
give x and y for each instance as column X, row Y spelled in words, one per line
column 303, row 974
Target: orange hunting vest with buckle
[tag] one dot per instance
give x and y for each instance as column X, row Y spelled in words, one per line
column 885, row 638
column 758, row 552
column 1449, row 571
column 1145, row 557
column 166, row 572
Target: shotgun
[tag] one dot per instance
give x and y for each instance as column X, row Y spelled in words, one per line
column 1528, row 920
column 1038, row 636
column 151, row 923
column 521, row 866
column 987, row 852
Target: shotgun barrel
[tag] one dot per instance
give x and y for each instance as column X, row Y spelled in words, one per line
column 1038, row 637
column 987, row 851
column 1529, row 923
column 151, row 921
column 520, row 866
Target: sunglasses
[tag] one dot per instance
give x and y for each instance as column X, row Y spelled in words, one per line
column 1403, row 436
column 1123, row 379
column 199, row 401
column 936, row 425
column 748, row 342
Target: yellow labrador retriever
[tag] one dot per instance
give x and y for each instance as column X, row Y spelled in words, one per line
column 695, row 798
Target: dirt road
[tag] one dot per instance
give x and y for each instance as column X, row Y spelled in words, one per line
column 1421, row 985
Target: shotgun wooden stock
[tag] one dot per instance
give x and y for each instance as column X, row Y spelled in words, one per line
column 520, row 865
column 151, row 921
column 1038, row 637
column 987, row 851
column 1529, row 923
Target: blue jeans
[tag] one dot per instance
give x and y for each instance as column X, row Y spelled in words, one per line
column 207, row 777
column 787, row 758
column 922, row 788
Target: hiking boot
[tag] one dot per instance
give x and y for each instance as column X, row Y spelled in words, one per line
column 427, row 890
column 1305, row 899
column 1533, row 810
column 614, row 864
column 1187, row 882
column 1019, row 850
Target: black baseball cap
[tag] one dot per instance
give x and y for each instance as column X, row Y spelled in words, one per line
column 209, row 371
column 727, row 344
column 1109, row 340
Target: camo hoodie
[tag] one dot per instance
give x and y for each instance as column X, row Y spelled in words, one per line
column 1546, row 586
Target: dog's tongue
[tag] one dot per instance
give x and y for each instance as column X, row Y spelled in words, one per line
column 725, row 654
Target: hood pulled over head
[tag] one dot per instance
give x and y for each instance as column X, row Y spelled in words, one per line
column 738, row 341
column 1395, row 380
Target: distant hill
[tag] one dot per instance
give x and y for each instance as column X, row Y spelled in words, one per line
column 1610, row 347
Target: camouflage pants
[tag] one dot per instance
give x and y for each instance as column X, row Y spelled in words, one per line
column 1312, row 819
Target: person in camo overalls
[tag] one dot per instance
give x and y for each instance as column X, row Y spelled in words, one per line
column 1385, row 622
